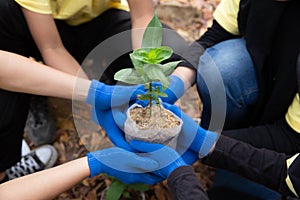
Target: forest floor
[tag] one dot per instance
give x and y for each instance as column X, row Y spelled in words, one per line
column 190, row 18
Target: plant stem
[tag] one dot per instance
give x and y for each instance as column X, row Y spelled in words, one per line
column 151, row 98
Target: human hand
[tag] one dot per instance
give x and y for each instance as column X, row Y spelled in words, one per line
column 167, row 158
column 193, row 138
column 110, row 120
column 126, row 166
column 102, row 96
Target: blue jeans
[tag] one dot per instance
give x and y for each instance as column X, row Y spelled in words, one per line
column 233, row 63
column 227, row 68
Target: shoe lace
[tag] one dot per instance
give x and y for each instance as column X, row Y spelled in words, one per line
column 28, row 164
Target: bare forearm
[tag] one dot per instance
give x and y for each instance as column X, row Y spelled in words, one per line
column 141, row 14
column 46, row 184
column 46, row 36
column 187, row 75
column 60, row 59
column 20, row 74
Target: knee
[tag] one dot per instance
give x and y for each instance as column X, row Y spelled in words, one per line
column 230, row 55
column 229, row 60
column 211, row 73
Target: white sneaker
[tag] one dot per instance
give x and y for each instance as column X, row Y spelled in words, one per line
column 41, row 158
column 25, row 148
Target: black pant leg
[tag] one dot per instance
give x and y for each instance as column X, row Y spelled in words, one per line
column 14, row 33
column 14, row 37
column 278, row 136
column 14, row 109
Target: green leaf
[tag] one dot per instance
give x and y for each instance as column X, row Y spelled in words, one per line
column 146, row 62
column 129, row 75
column 140, row 55
column 145, row 97
column 168, row 68
column 115, row 190
column 152, row 37
column 146, row 79
column 155, row 73
column 138, row 65
column 156, row 100
column 159, row 54
column 157, row 89
column 161, row 94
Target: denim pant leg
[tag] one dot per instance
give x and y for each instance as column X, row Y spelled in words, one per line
column 231, row 182
column 230, row 60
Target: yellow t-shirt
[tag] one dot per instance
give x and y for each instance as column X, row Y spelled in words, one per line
column 293, row 114
column 73, row 11
column 226, row 14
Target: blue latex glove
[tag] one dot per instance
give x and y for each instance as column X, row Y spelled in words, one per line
column 174, row 91
column 168, row 158
column 104, row 96
column 193, row 141
column 107, row 120
column 126, row 166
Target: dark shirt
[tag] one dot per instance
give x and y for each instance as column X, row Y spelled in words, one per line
column 184, row 185
column 257, row 164
column 261, row 165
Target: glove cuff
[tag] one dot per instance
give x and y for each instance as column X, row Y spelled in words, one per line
column 94, row 165
column 176, row 89
column 208, row 141
column 179, row 84
column 90, row 99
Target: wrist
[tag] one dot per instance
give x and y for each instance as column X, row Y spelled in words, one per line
column 177, row 79
column 81, row 89
column 212, row 148
column 187, row 75
column 95, row 165
column 178, row 83
column 94, row 86
column 208, row 144
column 176, row 89
column 176, row 164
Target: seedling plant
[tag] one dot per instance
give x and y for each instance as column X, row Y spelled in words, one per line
column 148, row 67
column 148, row 70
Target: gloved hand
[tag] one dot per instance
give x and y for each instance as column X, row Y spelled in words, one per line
column 104, row 96
column 107, row 120
column 126, row 166
column 196, row 140
column 167, row 158
column 174, row 91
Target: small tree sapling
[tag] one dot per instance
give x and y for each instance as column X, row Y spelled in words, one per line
column 151, row 124
column 147, row 64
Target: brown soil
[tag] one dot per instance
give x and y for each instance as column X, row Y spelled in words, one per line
column 146, row 118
